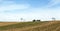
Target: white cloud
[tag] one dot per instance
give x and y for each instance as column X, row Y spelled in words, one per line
column 7, row 2
column 35, row 14
column 6, row 5
column 13, row 7
column 53, row 2
column 9, row 6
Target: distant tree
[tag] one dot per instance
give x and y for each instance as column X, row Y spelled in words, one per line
column 38, row 20
column 21, row 18
column 34, row 20
column 53, row 18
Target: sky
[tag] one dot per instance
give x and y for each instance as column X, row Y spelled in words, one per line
column 14, row 10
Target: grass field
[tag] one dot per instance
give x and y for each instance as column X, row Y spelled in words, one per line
column 30, row 26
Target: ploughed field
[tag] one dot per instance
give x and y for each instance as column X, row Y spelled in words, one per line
column 7, row 23
column 30, row 26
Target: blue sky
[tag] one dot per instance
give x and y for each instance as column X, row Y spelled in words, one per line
column 13, row 10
